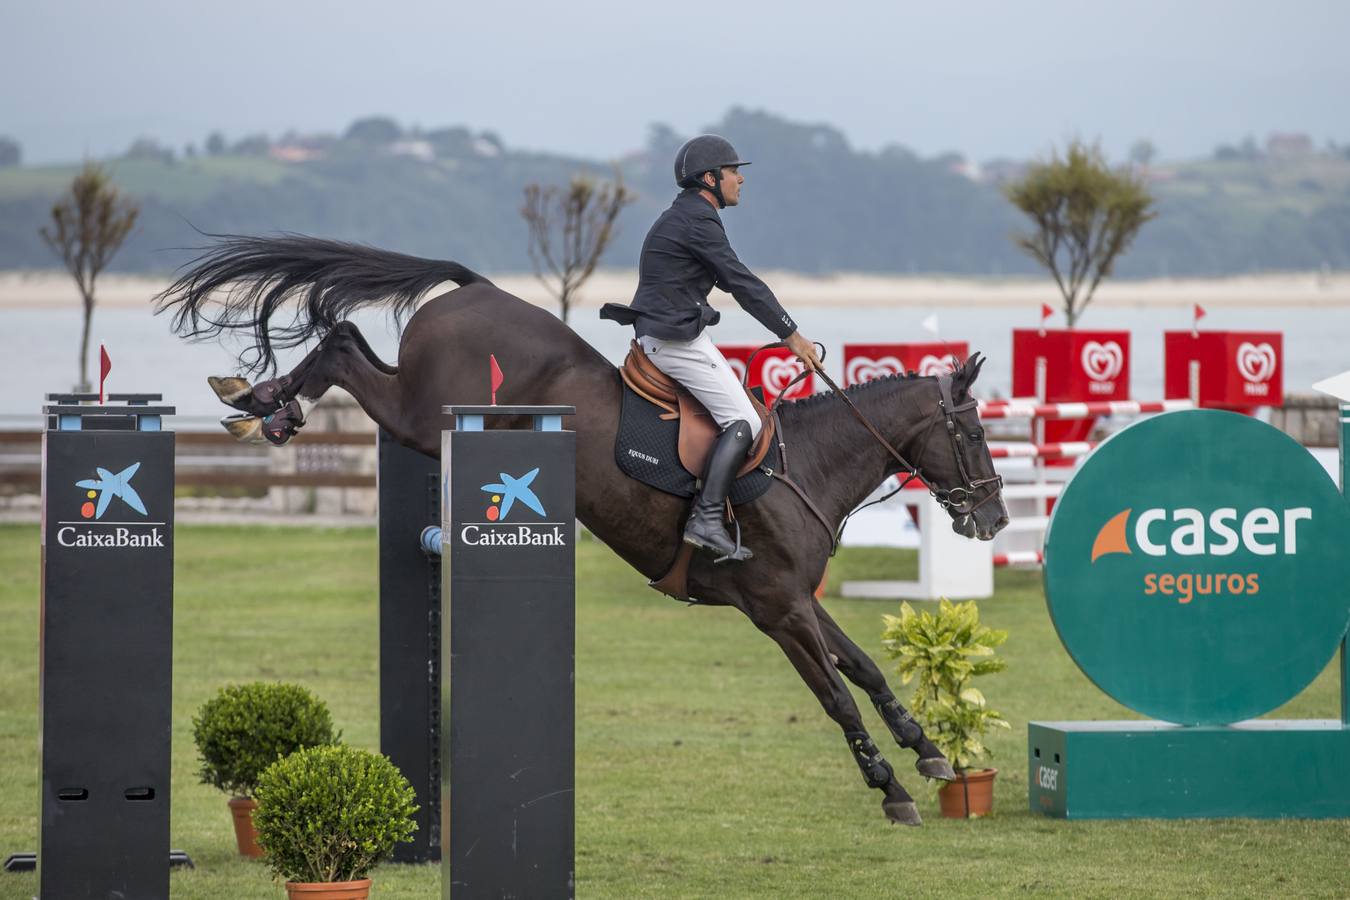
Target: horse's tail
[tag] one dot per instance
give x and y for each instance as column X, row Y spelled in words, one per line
column 328, row 279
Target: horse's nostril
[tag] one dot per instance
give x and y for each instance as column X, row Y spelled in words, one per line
column 1001, row 523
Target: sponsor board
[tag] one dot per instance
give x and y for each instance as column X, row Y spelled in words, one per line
column 1190, row 584
column 866, row 362
column 774, row 369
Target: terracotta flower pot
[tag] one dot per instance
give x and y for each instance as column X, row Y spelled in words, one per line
column 328, row 890
column 244, row 835
column 969, row 796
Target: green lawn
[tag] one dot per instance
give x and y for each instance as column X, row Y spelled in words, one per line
column 704, row 767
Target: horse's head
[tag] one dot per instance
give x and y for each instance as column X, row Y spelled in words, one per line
column 955, row 460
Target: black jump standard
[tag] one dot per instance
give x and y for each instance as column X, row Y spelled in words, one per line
column 410, row 635
column 106, row 647
column 508, row 510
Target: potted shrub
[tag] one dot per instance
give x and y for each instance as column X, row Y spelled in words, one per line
column 943, row 652
column 247, row 727
column 327, row 815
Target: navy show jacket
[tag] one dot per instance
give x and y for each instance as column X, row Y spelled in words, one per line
column 684, row 255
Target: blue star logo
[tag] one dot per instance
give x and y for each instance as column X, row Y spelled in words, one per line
column 108, row 486
column 509, row 490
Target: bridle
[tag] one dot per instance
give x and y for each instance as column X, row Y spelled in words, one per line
column 959, row 501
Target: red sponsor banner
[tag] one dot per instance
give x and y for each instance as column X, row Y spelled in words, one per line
column 1237, row 370
column 773, row 370
column 1080, row 366
column 863, row 362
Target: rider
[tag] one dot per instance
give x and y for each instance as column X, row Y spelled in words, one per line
column 684, row 255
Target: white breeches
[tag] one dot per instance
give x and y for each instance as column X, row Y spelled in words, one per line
column 703, row 370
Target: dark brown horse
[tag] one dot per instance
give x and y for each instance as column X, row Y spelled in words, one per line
column 243, row 283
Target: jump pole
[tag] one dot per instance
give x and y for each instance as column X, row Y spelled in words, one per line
column 409, row 487
column 508, row 626
column 1344, row 410
column 106, row 654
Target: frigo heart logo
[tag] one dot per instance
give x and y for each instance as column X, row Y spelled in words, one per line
column 1102, row 361
column 865, row 368
column 776, row 373
column 937, row 365
column 1256, row 362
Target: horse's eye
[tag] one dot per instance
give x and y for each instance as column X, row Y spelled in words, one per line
column 976, row 436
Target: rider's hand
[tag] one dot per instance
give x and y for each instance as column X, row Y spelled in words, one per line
column 805, row 350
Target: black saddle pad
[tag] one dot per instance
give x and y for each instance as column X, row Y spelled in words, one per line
column 648, row 449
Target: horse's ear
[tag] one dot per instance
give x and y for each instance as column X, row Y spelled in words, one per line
column 965, row 376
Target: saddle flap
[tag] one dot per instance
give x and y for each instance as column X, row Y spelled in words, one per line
column 698, row 430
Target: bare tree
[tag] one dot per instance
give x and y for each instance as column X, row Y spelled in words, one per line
column 570, row 229
column 1085, row 215
column 88, row 226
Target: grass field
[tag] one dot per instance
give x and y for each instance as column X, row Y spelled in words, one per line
column 704, row 767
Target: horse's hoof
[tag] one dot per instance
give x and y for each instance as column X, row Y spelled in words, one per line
column 230, row 388
column 902, row 812
column 244, row 427
column 936, row 767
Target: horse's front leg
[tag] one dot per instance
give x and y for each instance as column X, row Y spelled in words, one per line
column 859, row 668
column 798, row 633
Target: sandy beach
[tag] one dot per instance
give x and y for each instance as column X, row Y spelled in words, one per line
column 54, row 289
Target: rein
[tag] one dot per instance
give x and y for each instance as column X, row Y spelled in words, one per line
column 947, row 498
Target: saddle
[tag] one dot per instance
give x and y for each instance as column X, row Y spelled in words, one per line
column 698, row 429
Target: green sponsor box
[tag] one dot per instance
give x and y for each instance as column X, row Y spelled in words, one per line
column 1195, row 572
column 1261, row 769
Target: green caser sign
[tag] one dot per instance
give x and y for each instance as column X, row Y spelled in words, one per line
column 1196, row 567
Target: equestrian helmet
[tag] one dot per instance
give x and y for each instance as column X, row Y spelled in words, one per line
column 705, row 153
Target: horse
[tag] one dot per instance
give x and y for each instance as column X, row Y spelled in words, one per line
column 242, row 283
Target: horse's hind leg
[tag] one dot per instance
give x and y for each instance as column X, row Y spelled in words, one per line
column 343, row 359
column 268, row 396
column 859, row 668
column 799, row 635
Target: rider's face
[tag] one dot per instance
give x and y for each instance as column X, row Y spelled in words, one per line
column 732, row 180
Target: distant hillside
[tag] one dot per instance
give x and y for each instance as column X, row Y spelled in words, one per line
column 812, row 203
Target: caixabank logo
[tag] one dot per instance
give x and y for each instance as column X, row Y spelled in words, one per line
column 507, row 496
column 1194, row 567
column 128, row 522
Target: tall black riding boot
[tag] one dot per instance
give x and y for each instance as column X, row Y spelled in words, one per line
column 705, row 529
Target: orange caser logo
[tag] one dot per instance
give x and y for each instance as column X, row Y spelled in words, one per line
column 1112, row 538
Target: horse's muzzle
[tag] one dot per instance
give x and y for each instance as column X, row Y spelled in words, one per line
column 982, row 523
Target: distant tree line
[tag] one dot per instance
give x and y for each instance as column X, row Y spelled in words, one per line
column 813, row 202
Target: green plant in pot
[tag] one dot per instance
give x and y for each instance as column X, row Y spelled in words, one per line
column 328, row 815
column 942, row 652
column 247, row 727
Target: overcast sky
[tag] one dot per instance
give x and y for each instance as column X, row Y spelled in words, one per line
column 588, row 76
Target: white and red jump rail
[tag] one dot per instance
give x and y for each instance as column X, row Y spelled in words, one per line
column 1017, row 409
column 1024, row 409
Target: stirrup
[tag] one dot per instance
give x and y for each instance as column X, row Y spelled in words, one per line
column 740, row 554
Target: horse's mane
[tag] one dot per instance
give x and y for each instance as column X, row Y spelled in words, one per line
column 961, row 375
column 819, row 398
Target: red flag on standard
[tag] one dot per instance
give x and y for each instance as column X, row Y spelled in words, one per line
column 496, row 376
column 1199, row 312
column 104, row 367
column 1046, row 311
